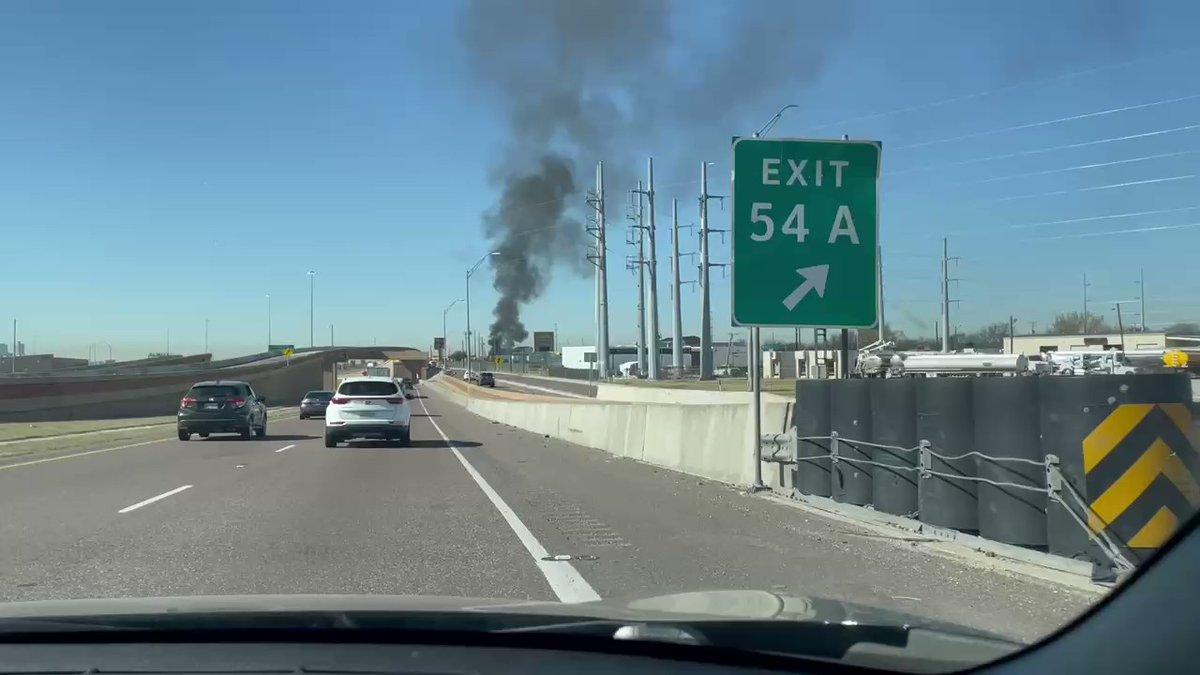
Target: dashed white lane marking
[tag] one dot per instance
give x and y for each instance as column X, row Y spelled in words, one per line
column 566, row 581
column 147, row 502
column 286, row 447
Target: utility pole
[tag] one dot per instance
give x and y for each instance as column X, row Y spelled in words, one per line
column 14, row 347
column 706, row 346
column 1012, row 334
column 1033, row 328
column 1142, row 296
column 1085, row 303
column 1120, row 326
column 882, row 318
column 676, row 312
column 206, row 336
column 600, row 259
column 639, row 233
column 330, row 335
column 652, row 328
column 946, row 295
column 268, row 320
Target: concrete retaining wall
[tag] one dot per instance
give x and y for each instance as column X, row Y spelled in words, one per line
column 679, row 396
column 714, row 441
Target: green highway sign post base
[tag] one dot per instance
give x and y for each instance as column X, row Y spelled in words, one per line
column 805, row 233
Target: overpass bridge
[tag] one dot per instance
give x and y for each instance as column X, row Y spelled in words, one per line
column 145, row 388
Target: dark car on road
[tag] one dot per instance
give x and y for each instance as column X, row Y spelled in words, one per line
column 222, row 406
column 487, row 380
column 315, row 403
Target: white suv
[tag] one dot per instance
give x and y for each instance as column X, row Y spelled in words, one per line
column 367, row 407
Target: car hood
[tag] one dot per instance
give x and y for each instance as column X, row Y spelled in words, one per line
column 721, row 605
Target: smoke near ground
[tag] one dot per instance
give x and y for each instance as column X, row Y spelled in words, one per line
column 580, row 81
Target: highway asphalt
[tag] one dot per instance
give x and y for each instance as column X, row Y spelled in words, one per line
column 470, row 510
column 548, row 386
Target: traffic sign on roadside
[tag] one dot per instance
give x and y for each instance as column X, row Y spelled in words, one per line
column 805, row 233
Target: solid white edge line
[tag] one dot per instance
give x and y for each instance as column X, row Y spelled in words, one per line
column 566, row 581
column 146, row 502
column 286, row 447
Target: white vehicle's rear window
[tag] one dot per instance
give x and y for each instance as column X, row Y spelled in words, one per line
column 368, row 388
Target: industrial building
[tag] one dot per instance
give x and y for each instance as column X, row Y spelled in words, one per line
column 1041, row 343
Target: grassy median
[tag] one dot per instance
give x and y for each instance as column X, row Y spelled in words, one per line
column 14, row 431
column 19, row 439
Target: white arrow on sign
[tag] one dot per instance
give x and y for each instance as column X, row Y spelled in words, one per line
column 814, row 280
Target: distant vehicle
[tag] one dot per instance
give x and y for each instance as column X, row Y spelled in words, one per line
column 314, row 403
column 366, row 408
column 487, row 380
column 406, row 386
column 222, row 406
column 470, row 376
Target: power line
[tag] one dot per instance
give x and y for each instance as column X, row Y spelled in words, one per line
column 1131, row 214
column 991, row 92
column 1110, row 186
column 1079, row 167
column 1109, row 233
column 1037, row 151
column 1045, row 123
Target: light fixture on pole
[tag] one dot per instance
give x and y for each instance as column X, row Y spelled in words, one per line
column 312, row 274
column 468, row 300
column 445, row 349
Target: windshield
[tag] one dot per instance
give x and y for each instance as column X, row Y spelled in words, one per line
column 215, row 391
column 368, row 388
column 859, row 311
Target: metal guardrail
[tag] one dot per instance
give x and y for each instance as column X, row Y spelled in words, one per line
column 783, row 449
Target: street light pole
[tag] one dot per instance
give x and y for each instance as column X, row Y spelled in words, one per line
column 468, row 301
column 443, row 355
column 206, row 336
column 311, row 276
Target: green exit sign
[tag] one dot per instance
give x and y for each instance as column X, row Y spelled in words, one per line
column 805, row 233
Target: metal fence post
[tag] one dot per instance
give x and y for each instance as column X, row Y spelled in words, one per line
column 924, row 447
column 833, row 448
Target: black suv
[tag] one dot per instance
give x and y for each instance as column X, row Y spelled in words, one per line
column 222, row 406
column 487, row 380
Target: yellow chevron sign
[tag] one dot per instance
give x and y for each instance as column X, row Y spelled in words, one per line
column 1141, row 470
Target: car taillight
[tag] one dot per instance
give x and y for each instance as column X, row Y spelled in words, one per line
column 187, row 402
column 395, row 401
column 237, row 402
column 338, row 400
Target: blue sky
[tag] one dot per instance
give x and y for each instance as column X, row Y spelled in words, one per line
column 166, row 163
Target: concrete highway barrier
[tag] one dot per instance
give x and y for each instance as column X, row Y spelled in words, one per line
column 709, row 440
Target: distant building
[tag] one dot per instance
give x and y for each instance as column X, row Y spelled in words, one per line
column 3, row 349
column 20, row 349
column 1041, row 343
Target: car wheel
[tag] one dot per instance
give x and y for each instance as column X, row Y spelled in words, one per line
column 203, row 434
column 330, row 441
column 303, row 416
column 244, row 433
column 261, row 432
column 183, row 435
column 406, row 438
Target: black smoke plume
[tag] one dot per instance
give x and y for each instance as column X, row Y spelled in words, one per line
column 580, row 81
